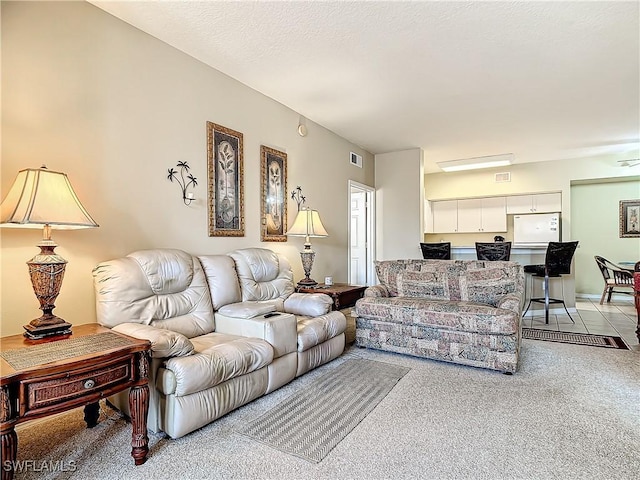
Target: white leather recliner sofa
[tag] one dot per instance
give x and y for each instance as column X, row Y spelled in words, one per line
column 224, row 329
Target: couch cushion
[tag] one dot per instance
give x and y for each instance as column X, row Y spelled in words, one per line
column 263, row 274
column 446, row 314
column 488, row 285
column 313, row 331
column 165, row 288
column 471, row 280
column 218, row 358
column 222, row 278
column 433, row 285
column 311, row 304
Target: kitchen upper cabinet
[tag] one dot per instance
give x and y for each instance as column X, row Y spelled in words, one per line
column 536, row 203
column 445, row 216
column 469, row 215
column 482, row 215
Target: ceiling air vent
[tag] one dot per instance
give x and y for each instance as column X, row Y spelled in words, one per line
column 503, row 177
column 356, row 159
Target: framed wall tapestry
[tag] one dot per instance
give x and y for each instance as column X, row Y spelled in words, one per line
column 273, row 195
column 226, row 181
column 629, row 218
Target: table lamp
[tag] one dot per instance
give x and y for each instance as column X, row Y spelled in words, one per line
column 41, row 198
column 307, row 224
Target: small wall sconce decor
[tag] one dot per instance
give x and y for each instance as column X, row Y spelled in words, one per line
column 184, row 183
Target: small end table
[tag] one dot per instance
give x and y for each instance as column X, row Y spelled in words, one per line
column 55, row 374
column 343, row 294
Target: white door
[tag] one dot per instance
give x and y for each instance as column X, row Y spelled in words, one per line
column 361, row 234
column 358, row 238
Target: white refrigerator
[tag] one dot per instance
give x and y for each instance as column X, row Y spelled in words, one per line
column 536, row 229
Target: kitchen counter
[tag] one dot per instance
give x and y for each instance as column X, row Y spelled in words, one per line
column 515, row 250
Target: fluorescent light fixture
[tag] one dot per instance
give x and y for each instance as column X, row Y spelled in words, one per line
column 477, row 162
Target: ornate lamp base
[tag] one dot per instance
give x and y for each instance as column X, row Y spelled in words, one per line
column 47, row 271
column 307, row 256
column 36, row 332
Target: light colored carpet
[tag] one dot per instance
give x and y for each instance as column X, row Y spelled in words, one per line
column 312, row 421
column 570, row 412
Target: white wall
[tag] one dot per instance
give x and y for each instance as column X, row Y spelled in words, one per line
column 114, row 108
column 595, row 215
column 399, row 204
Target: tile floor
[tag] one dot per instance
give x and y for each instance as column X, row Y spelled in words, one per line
column 618, row 318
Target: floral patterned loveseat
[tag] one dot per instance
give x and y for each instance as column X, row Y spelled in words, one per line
column 461, row 311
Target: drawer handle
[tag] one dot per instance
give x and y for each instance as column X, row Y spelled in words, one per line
column 89, row 384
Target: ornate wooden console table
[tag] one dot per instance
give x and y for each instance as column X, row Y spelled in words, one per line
column 52, row 375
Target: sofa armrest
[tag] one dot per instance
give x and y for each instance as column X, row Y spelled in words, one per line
column 164, row 343
column 377, row 291
column 279, row 330
column 308, row 304
column 511, row 301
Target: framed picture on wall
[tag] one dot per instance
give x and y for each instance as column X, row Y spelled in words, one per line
column 273, row 195
column 629, row 218
column 226, row 181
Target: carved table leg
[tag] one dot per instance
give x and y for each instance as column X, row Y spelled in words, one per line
column 139, row 406
column 9, row 439
column 91, row 414
column 9, row 452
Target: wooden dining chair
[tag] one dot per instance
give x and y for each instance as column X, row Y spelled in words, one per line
column 614, row 276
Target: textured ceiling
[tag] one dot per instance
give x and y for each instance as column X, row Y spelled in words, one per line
column 542, row 80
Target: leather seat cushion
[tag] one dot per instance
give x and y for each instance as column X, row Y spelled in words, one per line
column 313, row 331
column 218, row 358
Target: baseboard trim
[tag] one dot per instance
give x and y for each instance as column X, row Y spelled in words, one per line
column 596, row 298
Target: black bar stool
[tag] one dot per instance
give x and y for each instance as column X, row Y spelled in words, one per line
column 436, row 251
column 557, row 263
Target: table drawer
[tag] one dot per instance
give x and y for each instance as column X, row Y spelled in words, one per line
column 75, row 384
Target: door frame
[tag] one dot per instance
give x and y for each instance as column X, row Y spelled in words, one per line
column 370, row 200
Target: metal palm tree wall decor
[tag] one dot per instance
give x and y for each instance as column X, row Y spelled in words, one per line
column 184, row 183
column 298, row 197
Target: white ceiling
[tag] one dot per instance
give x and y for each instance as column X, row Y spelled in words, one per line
column 542, row 80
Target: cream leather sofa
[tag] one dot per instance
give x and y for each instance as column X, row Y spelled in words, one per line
column 215, row 342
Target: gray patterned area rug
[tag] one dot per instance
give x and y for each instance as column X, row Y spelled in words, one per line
column 607, row 341
column 311, row 422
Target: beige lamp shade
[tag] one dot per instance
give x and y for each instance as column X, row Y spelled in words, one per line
column 41, row 197
column 308, row 224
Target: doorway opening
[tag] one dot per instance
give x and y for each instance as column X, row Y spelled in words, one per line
column 361, row 234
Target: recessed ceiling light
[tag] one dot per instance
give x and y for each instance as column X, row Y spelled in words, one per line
column 477, row 162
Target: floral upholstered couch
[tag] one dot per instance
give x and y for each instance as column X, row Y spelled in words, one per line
column 461, row 311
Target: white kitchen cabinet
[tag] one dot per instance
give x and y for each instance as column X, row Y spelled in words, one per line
column 494, row 214
column 445, row 216
column 535, row 203
column 482, row 215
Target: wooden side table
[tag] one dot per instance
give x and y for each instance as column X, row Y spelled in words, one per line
column 52, row 375
column 343, row 295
